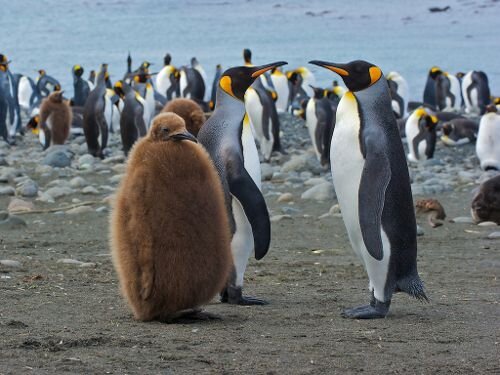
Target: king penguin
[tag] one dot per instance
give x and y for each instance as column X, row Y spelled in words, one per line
column 10, row 113
column 372, row 183
column 420, row 130
column 488, row 139
column 222, row 135
column 448, row 94
column 280, row 83
column 167, row 79
column 95, row 126
column 399, row 93
column 81, row 87
column 476, row 92
column 430, row 87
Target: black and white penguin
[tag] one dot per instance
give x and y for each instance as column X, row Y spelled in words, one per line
column 430, row 87
column 459, row 131
column 215, row 84
column 320, row 121
column 488, row 139
column 167, row 79
column 448, row 93
column 399, row 93
column 81, row 87
column 476, row 92
column 420, row 130
column 192, row 84
column 46, row 84
column 132, row 121
column 29, row 97
column 10, row 113
column 372, row 183
column 282, row 87
column 222, row 135
column 95, row 126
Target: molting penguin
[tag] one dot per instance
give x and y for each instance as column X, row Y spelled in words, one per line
column 95, row 126
column 430, row 87
column 476, row 92
column 399, row 93
column 81, row 87
column 420, row 131
column 486, row 203
column 10, row 113
column 488, row 139
column 190, row 112
column 372, row 183
column 132, row 122
column 459, row 131
column 222, row 137
column 448, row 95
column 53, row 124
column 46, row 84
column 170, row 235
column 320, row 121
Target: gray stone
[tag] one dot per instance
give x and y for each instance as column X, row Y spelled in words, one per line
column 18, row 205
column 420, row 231
column 88, row 265
column 321, row 192
column 7, row 190
column 266, row 171
column 119, row 168
column 44, row 169
column 102, row 209
column 28, row 188
column 10, row 263
column 10, row 221
column 57, row 159
column 290, row 210
column 70, row 261
column 494, row 235
column 78, row 182
column 86, row 159
column 315, row 181
column 487, row 224
column 277, row 218
column 462, row 220
column 306, row 175
column 114, row 159
column 285, row 197
column 278, row 176
column 90, row 190
column 3, row 162
column 116, row 178
column 57, row 192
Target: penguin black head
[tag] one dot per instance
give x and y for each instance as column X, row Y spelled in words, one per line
column 77, row 70
column 167, row 59
column 168, row 126
column 118, row 88
column 491, row 108
column 318, row 92
column 247, row 56
column 434, row 72
column 4, row 63
column 33, row 124
column 41, row 72
column 447, row 128
column 357, row 75
column 460, row 75
column 236, row 81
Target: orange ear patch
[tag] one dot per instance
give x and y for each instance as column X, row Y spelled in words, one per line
column 226, row 85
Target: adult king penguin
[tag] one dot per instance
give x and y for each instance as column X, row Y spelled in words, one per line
column 222, row 137
column 372, row 183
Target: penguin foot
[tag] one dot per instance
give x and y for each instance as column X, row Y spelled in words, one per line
column 233, row 295
column 375, row 310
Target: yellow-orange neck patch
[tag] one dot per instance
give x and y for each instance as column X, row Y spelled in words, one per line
column 226, row 85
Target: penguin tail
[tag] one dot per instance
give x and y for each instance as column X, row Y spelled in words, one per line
column 414, row 287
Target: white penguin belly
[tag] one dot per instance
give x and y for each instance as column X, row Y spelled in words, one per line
column 24, row 94
column 242, row 243
column 250, row 154
column 108, row 111
column 411, row 131
column 254, row 108
column 312, row 124
column 347, row 165
column 488, row 141
column 280, row 83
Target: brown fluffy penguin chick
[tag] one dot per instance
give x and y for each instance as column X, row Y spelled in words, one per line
column 170, row 234
column 435, row 210
column 190, row 111
column 55, row 118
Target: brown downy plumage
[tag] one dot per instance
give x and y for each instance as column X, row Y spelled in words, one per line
column 170, row 235
column 190, row 111
column 55, row 118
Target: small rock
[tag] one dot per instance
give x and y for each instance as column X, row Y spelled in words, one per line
column 335, row 209
column 462, row 220
column 420, row 231
column 78, row 182
column 3, row 162
column 114, row 159
column 42, row 197
column 314, row 181
column 488, row 224
column 10, row 221
column 57, row 192
column 277, row 218
column 10, row 263
column 278, row 176
column 494, row 235
column 321, row 192
column 119, row 168
column 266, row 171
column 116, row 178
column 57, row 159
column 88, row 265
column 7, row 190
column 79, row 210
column 285, row 197
column 28, row 188
column 290, row 210
column 19, row 205
column 90, row 190
column 70, row 261
column 324, row 216
column 86, row 159
column 102, row 209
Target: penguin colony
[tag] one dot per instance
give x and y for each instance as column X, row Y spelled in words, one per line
column 186, row 172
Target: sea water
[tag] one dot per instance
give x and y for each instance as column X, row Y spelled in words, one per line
column 400, row 35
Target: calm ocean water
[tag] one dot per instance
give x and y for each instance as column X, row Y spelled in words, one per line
column 397, row 35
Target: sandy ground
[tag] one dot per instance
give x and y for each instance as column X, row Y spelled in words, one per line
column 58, row 318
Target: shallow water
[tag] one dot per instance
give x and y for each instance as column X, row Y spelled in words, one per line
column 396, row 35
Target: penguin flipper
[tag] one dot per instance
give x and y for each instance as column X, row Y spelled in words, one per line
column 244, row 189
column 103, row 129
column 375, row 178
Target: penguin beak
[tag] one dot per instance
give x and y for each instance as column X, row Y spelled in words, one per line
column 337, row 68
column 184, row 136
column 258, row 70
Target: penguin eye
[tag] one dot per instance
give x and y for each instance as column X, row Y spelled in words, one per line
column 165, row 130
